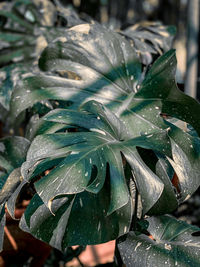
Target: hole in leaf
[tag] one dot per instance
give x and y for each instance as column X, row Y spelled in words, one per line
column 93, row 174
column 196, row 233
column 147, row 154
column 68, row 74
column 175, row 182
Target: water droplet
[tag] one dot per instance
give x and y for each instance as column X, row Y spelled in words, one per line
column 97, row 131
column 138, row 244
column 75, row 152
column 99, row 226
column 81, row 202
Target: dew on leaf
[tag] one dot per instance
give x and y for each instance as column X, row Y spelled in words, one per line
column 138, row 244
column 97, row 130
column 41, row 193
column 75, row 152
column 99, row 226
column 81, row 202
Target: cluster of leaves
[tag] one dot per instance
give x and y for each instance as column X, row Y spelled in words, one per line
column 103, row 140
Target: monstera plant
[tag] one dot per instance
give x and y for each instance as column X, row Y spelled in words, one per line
column 103, row 154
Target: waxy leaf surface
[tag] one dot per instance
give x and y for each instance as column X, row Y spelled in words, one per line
column 173, row 243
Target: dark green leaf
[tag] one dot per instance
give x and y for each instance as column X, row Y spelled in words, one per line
column 81, row 153
column 173, row 244
column 76, row 219
column 168, row 200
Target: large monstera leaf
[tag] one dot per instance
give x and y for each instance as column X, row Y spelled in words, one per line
column 12, row 155
column 173, row 243
column 87, row 171
column 89, row 62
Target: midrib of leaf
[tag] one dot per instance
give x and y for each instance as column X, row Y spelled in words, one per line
column 109, row 80
column 127, row 72
column 100, row 73
column 116, row 70
column 149, row 122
